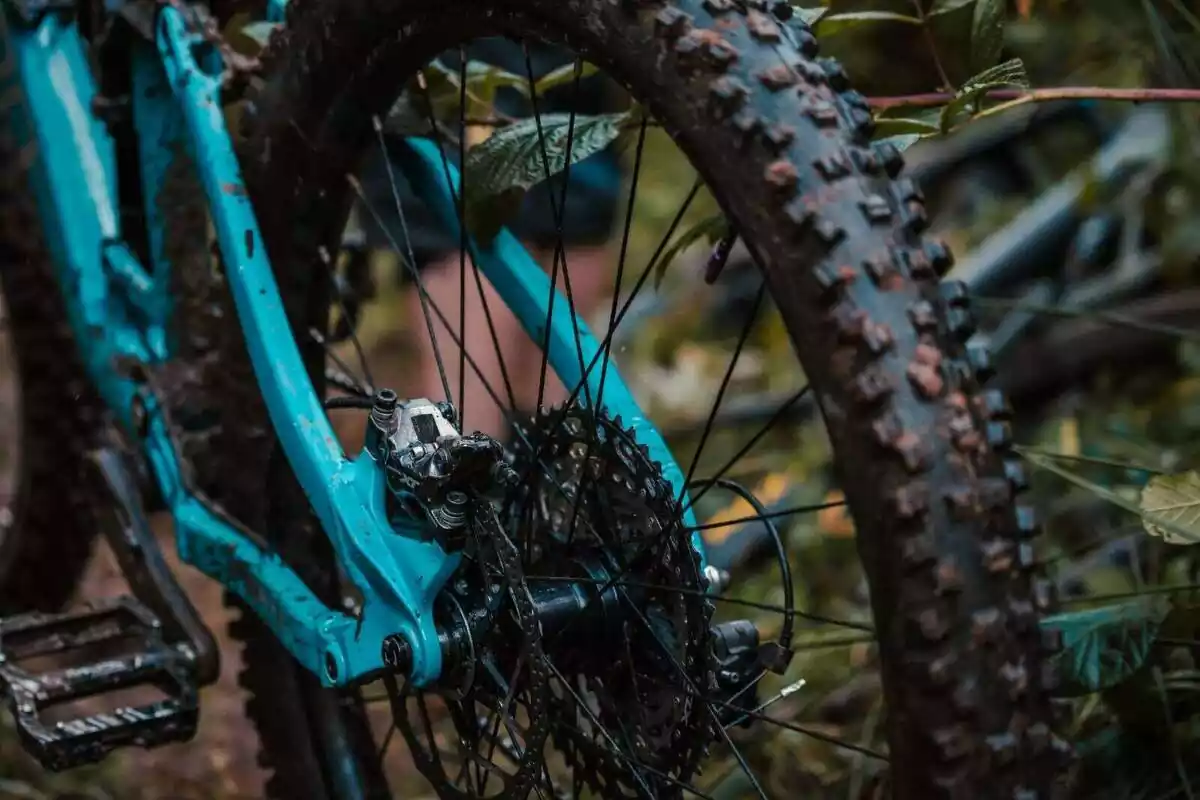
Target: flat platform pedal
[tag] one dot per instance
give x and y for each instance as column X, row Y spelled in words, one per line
column 84, row 683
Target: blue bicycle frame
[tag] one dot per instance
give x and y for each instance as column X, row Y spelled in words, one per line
column 119, row 309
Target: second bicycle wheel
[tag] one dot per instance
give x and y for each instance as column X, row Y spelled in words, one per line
column 783, row 146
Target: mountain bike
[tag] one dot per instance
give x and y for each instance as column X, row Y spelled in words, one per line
column 544, row 603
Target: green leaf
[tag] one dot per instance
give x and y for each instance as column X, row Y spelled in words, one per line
column 1108, row 495
column 563, row 76
column 439, row 98
column 1175, row 498
column 904, row 126
column 260, row 32
column 852, row 19
column 443, row 85
column 510, row 161
column 926, row 114
column 441, row 90
column 483, row 80
column 1137, row 703
column 1010, row 73
column 810, row 16
column 987, row 33
column 1104, row 646
column 904, row 121
column 711, row 228
column 947, row 7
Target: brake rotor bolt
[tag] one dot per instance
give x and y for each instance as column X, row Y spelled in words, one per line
column 384, row 408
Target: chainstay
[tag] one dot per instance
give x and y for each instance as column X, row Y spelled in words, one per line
column 231, row 454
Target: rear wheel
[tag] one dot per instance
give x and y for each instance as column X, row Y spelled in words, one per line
column 783, row 146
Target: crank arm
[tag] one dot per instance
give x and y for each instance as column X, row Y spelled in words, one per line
column 141, row 560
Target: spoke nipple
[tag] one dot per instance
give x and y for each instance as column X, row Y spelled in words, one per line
column 718, row 579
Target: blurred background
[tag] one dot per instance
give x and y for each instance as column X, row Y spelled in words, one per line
column 1089, row 210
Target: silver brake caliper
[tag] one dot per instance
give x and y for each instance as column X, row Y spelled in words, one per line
column 432, row 468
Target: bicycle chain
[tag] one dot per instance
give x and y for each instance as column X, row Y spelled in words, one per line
column 534, row 671
column 626, row 502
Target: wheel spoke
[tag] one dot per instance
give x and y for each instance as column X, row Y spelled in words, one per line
column 344, row 376
column 330, row 272
column 595, row 721
column 759, row 716
column 691, row 685
column 501, row 713
column 466, row 250
column 1116, row 320
column 787, row 512
column 762, row 707
column 558, row 212
column 743, row 337
column 387, row 740
column 596, row 358
column 626, row 230
column 412, row 259
column 754, row 440
column 460, row 205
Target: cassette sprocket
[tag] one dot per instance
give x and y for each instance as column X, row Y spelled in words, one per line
column 628, row 713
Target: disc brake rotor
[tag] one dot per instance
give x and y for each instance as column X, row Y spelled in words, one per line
column 497, row 698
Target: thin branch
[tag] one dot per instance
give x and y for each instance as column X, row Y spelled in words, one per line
column 1015, row 97
column 932, row 44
